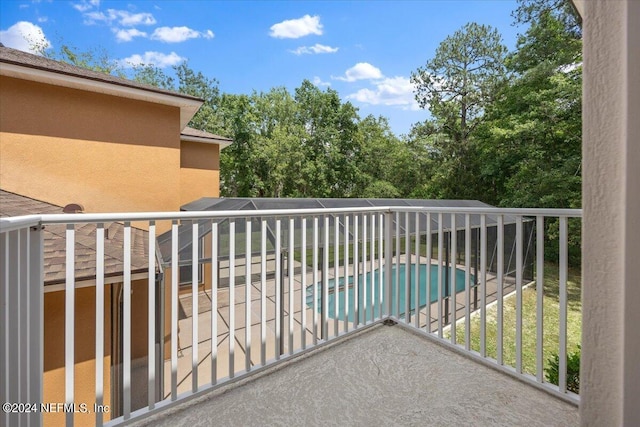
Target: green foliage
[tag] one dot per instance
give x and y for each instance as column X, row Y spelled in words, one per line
column 457, row 86
column 196, row 84
column 388, row 166
column 552, row 371
column 381, row 190
column 530, row 143
column 529, row 11
column 236, row 167
column 329, row 142
column 93, row 59
column 461, row 80
column 153, row 76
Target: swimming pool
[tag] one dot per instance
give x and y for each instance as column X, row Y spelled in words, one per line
column 370, row 286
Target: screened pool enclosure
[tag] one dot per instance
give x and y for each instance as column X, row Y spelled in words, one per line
column 349, row 246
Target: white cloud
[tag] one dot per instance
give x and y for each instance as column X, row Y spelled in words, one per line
column 361, row 71
column 390, row 91
column 117, row 18
column 318, row 82
column 317, row 48
column 128, row 34
column 43, row 19
column 159, row 59
column 121, row 17
column 296, row 28
column 179, row 34
column 85, row 5
column 93, row 17
column 131, row 19
column 24, row 36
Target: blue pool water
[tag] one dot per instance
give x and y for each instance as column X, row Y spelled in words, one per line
column 369, row 284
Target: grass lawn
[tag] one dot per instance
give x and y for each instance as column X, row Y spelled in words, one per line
column 551, row 311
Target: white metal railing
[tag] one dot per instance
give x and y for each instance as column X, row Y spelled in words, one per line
column 320, row 274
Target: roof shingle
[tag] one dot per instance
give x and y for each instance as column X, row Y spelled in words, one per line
column 12, row 204
column 17, row 57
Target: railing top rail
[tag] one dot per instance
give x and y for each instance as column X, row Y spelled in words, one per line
column 14, row 223
column 574, row 213
column 191, row 215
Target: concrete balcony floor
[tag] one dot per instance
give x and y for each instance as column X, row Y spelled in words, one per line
column 384, row 375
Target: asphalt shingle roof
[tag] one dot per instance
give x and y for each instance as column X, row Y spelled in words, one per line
column 12, row 204
column 189, row 131
column 17, row 57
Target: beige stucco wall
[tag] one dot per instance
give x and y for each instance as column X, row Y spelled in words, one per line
column 108, row 153
column 199, row 171
column 54, row 372
column 610, row 365
column 84, row 354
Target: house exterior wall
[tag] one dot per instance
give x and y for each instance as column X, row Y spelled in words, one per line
column 199, row 171
column 54, row 373
column 610, row 371
column 85, row 338
column 108, row 153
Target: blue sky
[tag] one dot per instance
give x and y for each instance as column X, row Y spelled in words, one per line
column 366, row 50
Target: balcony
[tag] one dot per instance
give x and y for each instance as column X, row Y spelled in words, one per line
column 343, row 315
column 380, row 376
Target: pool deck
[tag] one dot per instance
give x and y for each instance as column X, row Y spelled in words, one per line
column 384, row 375
column 222, row 316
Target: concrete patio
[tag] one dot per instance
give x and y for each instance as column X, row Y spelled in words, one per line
column 384, row 375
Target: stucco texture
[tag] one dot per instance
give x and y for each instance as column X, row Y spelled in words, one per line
column 386, row 376
column 610, row 371
column 84, row 354
column 107, row 153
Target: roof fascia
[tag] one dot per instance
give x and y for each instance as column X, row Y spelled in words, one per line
column 91, row 282
column 188, row 107
column 223, row 143
column 579, row 5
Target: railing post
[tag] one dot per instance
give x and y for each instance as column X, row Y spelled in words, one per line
column 322, row 301
column 388, row 261
column 36, row 319
column 280, row 296
column 447, row 278
column 22, row 322
column 325, row 281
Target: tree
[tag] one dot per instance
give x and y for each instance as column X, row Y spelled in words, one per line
column 197, row 84
column 153, row 76
column 289, row 146
column 97, row 59
column 554, row 35
column 531, row 140
column 530, row 144
column 278, row 157
column 457, row 86
column 530, row 11
column 389, row 167
column 329, row 142
column 237, row 174
column 461, row 80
